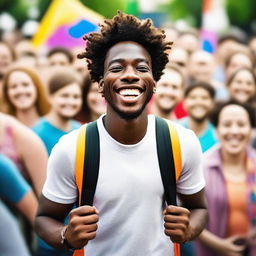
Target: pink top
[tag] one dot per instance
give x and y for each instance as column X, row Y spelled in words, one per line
column 8, row 148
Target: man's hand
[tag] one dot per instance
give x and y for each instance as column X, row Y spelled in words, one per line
column 82, row 226
column 177, row 223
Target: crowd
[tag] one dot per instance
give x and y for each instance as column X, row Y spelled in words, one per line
column 46, row 95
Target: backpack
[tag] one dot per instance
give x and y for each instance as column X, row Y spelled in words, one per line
column 88, row 155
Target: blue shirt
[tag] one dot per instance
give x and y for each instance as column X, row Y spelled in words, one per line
column 50, row 134
column 207, row 138
column 13, row 186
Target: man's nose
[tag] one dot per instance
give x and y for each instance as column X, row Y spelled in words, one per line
column 130, row 75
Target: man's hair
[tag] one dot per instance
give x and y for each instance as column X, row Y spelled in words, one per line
column 200, row 84
column 124, row 27
column 62, row 50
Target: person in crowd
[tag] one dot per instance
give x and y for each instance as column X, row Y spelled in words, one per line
column 25, row 149
column 126, row 58
column 201, row 67
column 65, row 97
column 15, row 191
column 188, row 40
column 25, row 95
column 169, row 92
column 198, row 103
column 230, row 173
column 59, row 57
column 7, row 57
column 179, row 56
column 93, row 103
column 252, row 44
column 238, row 59
column 242, row 86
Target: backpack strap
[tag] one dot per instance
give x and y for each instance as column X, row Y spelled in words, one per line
column 170, row 162
column 87, row 166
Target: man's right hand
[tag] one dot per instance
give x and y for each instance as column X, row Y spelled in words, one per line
column 82, row 226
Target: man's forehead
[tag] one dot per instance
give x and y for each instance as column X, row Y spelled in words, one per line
column 127, row 50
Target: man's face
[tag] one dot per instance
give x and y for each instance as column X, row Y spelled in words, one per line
column 169, row 91
column 201, row 66
column 198, row 104
column 128, row 82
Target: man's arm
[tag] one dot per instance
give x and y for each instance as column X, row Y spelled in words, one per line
column 187, row 222
column 81, row 227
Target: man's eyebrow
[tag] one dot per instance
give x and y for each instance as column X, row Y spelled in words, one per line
column 122, row 60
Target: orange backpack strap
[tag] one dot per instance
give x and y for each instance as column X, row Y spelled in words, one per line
column 79, row 170
column 178, row 164
column 175, row 149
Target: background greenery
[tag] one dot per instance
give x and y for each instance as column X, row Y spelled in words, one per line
column 242, row 13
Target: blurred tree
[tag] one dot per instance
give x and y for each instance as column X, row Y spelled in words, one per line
column 241, row 13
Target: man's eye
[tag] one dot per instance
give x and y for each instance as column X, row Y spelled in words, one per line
column 143, row 69
column 115, row 69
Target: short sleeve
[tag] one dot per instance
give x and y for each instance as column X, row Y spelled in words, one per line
column 60, row 186
column 191, row 180
column 13, row 186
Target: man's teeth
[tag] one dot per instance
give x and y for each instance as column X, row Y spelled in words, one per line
column 129, row 92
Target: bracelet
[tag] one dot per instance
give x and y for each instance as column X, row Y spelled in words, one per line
column 64, row 241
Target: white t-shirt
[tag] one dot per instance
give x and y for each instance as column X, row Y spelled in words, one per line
column 129, row 192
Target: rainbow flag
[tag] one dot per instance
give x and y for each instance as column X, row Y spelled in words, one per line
column 65, row 23
column 214, row 20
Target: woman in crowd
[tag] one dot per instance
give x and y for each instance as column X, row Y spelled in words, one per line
column 230, row 172
column 65, row 97
column 24, row 95
column 93, row 102
column 242, row 85
column 25, row 149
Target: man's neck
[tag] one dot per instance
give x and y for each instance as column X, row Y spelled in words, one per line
column 126, row 131
column 59, row 122
column 28, row 117
column 196, row 126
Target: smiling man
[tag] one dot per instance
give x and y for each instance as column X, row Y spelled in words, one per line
column 129, row 215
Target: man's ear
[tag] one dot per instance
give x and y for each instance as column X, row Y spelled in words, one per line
column 101, row 86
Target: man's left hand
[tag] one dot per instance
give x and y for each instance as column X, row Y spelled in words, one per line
column 177, row 223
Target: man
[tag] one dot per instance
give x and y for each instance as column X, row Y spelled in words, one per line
column 128, row 217
column 169, row 93
column 199, row 102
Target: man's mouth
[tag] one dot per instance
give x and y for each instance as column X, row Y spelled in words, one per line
column 130, row 92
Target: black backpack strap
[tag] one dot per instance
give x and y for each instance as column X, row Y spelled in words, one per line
column 91, row 164
column 166, row 160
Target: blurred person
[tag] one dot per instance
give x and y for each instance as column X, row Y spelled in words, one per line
column 169, row 92
column 201, row 67
column 226, row 44
column 78, row 64
column 230, row 172
column 65, row 97
column 199, row 102
column 15, row 191
column 93, row 103
column 7, row 57
column 188, row 40
column 238, row 59
column 23, row 47
column 59, row 57
column 25, row 95
column 25, row 149
column 252, row 44
column 179, row 56
column 242, row 85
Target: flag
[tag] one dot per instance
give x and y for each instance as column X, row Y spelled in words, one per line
column 65, row 23
column 214, row 21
